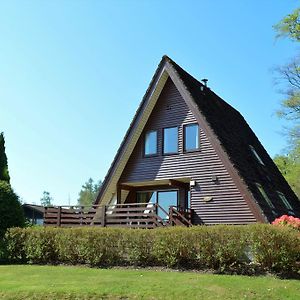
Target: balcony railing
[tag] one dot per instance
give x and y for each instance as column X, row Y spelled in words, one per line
column 132, row 215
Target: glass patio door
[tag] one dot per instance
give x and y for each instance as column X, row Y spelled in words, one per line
column 165, row 199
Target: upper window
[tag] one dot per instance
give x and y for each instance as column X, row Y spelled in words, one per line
column 264, row 195
column 284, row 200
column 191, row 137
column 256, row 155
column 150, row 143
column 170, row 140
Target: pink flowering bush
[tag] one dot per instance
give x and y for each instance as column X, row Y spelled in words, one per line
column 288, row 221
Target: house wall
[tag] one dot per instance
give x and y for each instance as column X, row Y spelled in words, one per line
column 228, row 205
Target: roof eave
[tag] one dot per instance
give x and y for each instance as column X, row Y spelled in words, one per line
column 158, row 80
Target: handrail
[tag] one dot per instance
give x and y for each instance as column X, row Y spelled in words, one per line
column 73, row 206
column 174, row 209
column 125, row 214
column 159, row 207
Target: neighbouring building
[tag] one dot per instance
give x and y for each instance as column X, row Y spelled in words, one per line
column 34, row 213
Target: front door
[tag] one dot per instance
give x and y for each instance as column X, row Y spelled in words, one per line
column 165, row 199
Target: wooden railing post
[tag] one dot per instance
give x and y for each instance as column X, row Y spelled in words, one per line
column 45, row 215
column 171, row 215
column 81, row 212
column 59, row 216
column 103, row 217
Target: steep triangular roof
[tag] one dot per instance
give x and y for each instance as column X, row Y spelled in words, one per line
column 226, row 129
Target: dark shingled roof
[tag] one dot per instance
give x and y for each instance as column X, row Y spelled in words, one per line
column 236, row 137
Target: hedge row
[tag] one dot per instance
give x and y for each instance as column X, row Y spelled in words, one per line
column 241, row 249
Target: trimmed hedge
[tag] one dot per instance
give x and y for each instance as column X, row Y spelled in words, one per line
column 240, row 249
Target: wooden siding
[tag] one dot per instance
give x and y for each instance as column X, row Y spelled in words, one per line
column 228, row 205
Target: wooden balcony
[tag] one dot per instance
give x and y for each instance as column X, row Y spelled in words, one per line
column 131, row 215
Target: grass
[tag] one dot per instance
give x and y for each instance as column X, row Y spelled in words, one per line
column 61, row 282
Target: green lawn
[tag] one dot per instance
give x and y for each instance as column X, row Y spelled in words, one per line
column 59, row 282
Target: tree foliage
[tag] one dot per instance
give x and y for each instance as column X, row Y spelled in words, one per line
column 289, row 165
column 289, row 79
column 289, row 75
column 4, row 175
column 289, row 26
column 89, row 192
column 11, row 212
column 46, row 199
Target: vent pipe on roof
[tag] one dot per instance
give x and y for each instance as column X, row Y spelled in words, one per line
column 204, row 80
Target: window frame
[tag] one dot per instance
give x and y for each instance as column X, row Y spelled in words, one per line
column 184, row 138
column 157, row 192
column 163, row 141
column 144, row 144
column 166, row 191
column 285, row 201
column 256, row 155
column 265, row 196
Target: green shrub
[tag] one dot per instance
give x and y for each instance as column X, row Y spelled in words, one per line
column 175, row 247
column 275, row 248
column 138, row 247
column 69, row 245
column 239, row 249
column 39, row 245
column 15, row 242
column 222, row 247
column 102, row 247
column 3, row 252
column 11, row 211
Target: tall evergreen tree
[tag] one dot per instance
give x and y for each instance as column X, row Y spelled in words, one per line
column 11, row 212
column 4, row 175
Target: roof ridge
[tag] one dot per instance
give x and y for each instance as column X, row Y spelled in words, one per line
column 179, row 69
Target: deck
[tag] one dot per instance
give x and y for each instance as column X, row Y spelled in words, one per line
column 131, row 215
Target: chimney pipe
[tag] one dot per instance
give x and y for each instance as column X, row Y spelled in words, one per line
column 204, row 80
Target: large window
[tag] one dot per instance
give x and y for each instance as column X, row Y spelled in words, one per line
column 191, row 137
column 164, row 199
column 170, row 140
column 146, row 197
column 150, row 147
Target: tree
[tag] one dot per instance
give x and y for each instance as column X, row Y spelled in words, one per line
column 290, row 105
column 289, row 78
column 4, row 175
column 46, row 200
column 89, row 192
column 289, row 26
column 289, row 166
column 11, row 211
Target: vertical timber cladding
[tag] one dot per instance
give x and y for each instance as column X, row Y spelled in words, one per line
column 227, row 204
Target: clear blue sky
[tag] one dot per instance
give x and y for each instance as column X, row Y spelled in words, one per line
column 72, row 74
